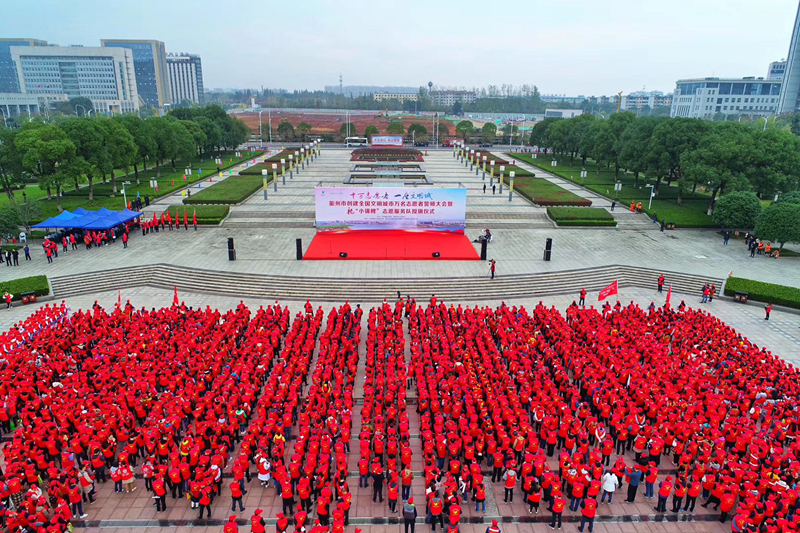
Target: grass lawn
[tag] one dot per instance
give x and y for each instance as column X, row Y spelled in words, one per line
column 168, row 183
column 691, row 213
column 233, row 190
column 32, row 192
column 542, row 192
column 581, row 216
column 206, row 214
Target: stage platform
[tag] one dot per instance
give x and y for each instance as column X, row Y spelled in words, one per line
column 396, row 245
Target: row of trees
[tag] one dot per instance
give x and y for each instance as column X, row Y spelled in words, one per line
column 719, row 157
column 780, row 222
column 81, row 149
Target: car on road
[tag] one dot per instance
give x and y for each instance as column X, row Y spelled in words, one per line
column 485, row 145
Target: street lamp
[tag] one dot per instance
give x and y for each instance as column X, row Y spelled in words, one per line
column 79, row 105
column 652, row 193
column 260, row 135
column 269, row 121
column 125, row 196
column 5, row 117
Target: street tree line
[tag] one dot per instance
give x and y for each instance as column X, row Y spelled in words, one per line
column 717, row 157
column 75, row 150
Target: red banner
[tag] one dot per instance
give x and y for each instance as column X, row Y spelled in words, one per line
column 608, row 291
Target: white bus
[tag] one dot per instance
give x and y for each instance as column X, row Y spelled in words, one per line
column 356, row 141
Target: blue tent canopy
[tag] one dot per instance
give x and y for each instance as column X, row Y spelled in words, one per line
column 90, row 220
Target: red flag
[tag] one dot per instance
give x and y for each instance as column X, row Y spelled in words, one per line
column 155, row 218
column 175, row 300
column 194, row 217
column 185, row 220
column 608, row 291
column 119, row 297
column 177, row 219
column 669, row 295
column 129, row 205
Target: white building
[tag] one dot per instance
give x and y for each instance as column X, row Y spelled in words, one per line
column 790, row 92
column 705, row 97
column 400, row 97
column 185, row 78
column 448, row 98
column 641, row 99
column 776, row 70
column 562, row 113
column 103, row 75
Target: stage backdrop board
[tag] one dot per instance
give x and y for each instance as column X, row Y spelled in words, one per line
column 387, row 140
column 381, row 208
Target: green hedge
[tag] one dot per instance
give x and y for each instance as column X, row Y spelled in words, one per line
column 581, row 216
column 543, row 192
column 231, row 190
column 36, row 284
column 206, row 214
column 764, row 292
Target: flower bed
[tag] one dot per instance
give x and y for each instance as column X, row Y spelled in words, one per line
column 386, row 154
column 581, row 216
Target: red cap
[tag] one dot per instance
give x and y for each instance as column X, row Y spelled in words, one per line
column 232, row 517
column 411, row 500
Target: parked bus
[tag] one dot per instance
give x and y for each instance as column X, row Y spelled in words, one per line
column 356, row 141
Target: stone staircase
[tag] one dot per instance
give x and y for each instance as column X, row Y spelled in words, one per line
column 370, row 290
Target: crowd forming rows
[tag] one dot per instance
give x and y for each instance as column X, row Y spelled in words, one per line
column 562, row 409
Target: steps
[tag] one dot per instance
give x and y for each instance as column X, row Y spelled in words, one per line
column 357, row 290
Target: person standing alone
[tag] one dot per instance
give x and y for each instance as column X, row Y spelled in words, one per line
column 492, row 268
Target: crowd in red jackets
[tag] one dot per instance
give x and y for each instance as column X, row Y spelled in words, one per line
column 98, row 396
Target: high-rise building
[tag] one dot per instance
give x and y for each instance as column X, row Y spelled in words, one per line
column 705, row 97
column 8, row 71
column 185, row 78
column 641, row 99
column 790, row 92
column 776, row 70
column 103, row 75
column 150, row 64
column 448, row 98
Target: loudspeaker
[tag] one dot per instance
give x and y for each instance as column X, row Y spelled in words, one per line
column 436, row 254
column 548, row 247
column 230, row 243
column 299, row 249
column 484, row 246
column 342, row 254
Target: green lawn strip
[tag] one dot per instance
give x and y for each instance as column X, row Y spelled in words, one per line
column 206, row 214
column 581, row 216
column 232, row 190
column 35, row 284
column 691, row 213
column 543, row 192
column 32, row 192
column 764, row 292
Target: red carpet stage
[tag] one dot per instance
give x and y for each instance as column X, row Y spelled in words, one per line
column 391, row 245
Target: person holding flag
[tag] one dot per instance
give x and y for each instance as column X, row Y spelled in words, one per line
column 154, row 223
column 194, row 219
column 185, row 221
column 611, row 290
column 175, row 301
column 169, row 220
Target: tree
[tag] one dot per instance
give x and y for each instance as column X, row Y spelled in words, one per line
column 458, row 109
column 90, row 145
column 539, row 131
column 738, row 209
column 143, row 136
column 348, row 129
column 303, row 129
column 790, row 197
column 776, row 161
column 173, row 141
column 719, row 161
column 121, row 147
column 27, row 212
column 669, row 141
column 635, row 146
column 213, row 134
column 9, row 222
column 79, row 106
column 442, row 130
column 464, row 129
column 286, row 131
column 780, row 223
column 235, row 132
column 11, row 169
column 45, row 147
column 395, row 128
column 197, row 133
column 489, row 132
column 418, row 132
column 370, row 130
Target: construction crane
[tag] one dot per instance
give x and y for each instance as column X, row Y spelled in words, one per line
column 619, row 100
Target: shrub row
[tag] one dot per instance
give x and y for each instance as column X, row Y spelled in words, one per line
column 35, row 284
column 581, row 216
column 764, row 292
column 232, row 190
column 206, row 214
column 545, row 193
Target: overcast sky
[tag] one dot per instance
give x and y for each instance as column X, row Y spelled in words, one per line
column 572, row 47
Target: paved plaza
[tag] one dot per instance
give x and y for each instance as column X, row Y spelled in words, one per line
column 265, row 231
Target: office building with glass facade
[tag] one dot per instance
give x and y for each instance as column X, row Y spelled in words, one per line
column 8, row 71
column 705, row 97
column 103, row 75
column 150, row 65
column 185, row 78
